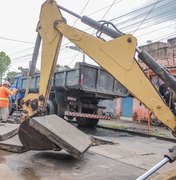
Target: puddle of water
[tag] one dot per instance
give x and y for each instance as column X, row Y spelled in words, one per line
column 14, row 169
column 27, row 173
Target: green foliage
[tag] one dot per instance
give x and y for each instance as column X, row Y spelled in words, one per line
column 11, row 75
column 65, row 67
column 4, row 63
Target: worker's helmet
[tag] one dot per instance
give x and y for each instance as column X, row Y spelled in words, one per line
column 6, row 83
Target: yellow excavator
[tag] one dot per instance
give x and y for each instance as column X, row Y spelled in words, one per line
column 116, row 56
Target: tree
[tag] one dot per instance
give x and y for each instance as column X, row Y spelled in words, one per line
column 11, row 75
column 67, row 67
column 4, row 63
column 59, row 67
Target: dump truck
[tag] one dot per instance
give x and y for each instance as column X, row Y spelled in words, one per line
column 75, row 92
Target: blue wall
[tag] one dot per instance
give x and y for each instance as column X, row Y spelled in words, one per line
column 127, row 107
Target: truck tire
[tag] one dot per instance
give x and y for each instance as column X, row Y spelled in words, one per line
column 11, row 107
column 50, row 107
column 87, row 122
column 61, row 108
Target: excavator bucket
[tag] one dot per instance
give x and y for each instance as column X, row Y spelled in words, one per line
column 53, row 133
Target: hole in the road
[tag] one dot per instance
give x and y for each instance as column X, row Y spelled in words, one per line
column 97, row 142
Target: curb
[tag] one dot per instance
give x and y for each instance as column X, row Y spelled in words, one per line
column 139, row 133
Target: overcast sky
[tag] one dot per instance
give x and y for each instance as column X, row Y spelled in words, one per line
column 146, row 19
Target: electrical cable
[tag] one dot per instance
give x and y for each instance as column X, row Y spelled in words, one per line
column 166, row 17
column 81, row 11
column 165, row 6
column 21, row 51
column 15, row 40
column 144, row 34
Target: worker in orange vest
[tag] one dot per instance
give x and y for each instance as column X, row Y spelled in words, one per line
column 4, row 100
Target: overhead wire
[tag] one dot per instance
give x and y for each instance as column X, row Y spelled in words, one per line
column 166, row 36
column 78, row 19
column 21, row 51
column 137, row 16
column 15, row 40
column 109, row 8
column 169, row 26
column 135, row 11
column 107, row 12
column 138, row 10
column 82, row 11
column 166, row 17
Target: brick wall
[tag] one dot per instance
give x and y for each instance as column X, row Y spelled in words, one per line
column 164, row 53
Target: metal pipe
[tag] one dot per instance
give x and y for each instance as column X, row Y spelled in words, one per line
column 70, row 12
column 153, row 169
column 33, row 63
column 94, row 24
column 162, row 72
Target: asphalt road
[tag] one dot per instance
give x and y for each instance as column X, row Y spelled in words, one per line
column 125, row 159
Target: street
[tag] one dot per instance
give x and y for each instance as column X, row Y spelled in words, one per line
column 125, row 156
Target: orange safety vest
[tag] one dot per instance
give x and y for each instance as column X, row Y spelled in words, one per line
column 4, row 94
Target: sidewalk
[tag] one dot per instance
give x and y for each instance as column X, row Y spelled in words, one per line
column 136, row 127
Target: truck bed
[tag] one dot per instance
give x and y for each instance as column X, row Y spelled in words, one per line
column 85, row 77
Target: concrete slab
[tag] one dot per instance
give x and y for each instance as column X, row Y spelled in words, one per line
column 13, row 144
column 63, row 134
column 8, row 130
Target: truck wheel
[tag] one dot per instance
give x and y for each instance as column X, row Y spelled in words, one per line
column 61, row 108
column 87, row 122
column 11, row 107
column 50, row 107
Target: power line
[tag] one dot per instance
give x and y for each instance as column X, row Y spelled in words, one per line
column 15, row 40
column 107, row 12
column 27, row 55
column 159, row 21
column 101, row 9
column 165, row 6
column 144, row 34
column 148, row 20
column 74, row 58
column 21, row 51
column 133, row 12
column 82, row 11
column 166, row 36
column 109, row 8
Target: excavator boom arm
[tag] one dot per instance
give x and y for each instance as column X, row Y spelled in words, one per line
column 115, row 56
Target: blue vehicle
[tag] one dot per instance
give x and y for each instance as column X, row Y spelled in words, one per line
column 75, row 92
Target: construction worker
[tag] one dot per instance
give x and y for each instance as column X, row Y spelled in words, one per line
column 4, row 100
